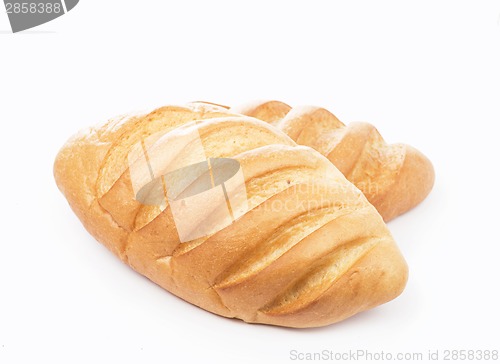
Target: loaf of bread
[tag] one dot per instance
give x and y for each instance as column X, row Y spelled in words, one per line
column 231, row 215
column 394, row 178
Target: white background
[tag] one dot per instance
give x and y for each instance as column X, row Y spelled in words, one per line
column 424, row 72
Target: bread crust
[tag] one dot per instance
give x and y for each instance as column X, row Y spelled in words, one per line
column 308, row 251
column 395, row 178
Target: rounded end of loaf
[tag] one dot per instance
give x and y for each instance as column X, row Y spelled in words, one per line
column 69, row 170
column 378, row 277
column 411, row 186
column 75, row 169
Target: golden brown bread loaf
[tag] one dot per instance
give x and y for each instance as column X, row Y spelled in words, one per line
column 302, row 246
column 394, row 178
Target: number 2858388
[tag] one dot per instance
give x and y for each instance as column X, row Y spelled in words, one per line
column 33, row 8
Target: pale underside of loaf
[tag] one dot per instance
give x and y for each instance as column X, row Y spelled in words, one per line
column 306, row 250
